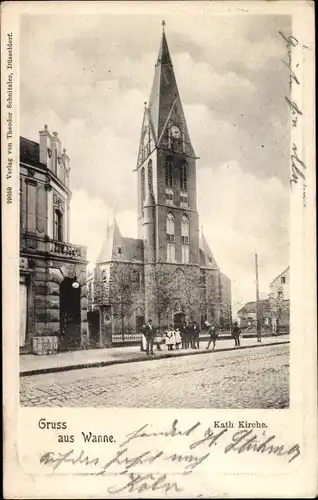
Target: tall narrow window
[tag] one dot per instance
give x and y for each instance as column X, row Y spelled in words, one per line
column 169, row 173
column 169, row 195
column 184, row 184
column 58, row 225
column 143, row 192
column 184, row 176
column 185, row 239
column 170, row 232
column 150, row 183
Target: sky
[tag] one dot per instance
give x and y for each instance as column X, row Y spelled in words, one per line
column 87, row 77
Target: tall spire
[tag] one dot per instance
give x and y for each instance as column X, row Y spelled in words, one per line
column 164, row 55
column 165, row 104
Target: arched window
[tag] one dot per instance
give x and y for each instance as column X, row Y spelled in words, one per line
column 170, row 226
column 170, row 230
column 103, row 275
column 169, row 173
column 150, row 183
column 184, row 176
column 185, row 238
column 143, row 192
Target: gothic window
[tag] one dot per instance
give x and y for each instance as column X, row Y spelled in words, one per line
column 184, row 176
column 143, row 191
column 185, row 239
column 170, row 232
column 169, row 173
column 170, row 229
column 58, row 225
column 185, row 230
column 150, row 183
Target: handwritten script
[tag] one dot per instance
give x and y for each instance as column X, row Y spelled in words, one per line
column 128, row 466
column 298, row 167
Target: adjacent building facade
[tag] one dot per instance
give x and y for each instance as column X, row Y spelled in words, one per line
column 53, row 303
column 274, row 311
column 279, row 300
column 169, row 273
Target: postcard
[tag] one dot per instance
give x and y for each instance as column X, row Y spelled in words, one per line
column 159, row 276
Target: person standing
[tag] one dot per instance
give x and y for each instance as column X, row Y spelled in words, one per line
column 196, row 335
column 149, row 334
column 158, row 340
column 143, row 340
column 236, row 332
column 169, row 338
column 178, row 338
column 183, row 336
column 213, row 332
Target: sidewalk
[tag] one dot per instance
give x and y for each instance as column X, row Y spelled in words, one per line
column 31, row 364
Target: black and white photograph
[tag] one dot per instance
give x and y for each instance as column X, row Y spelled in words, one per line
column 159, row 293
column 154, row 211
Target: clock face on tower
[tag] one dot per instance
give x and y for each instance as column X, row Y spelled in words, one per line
column 175, row 132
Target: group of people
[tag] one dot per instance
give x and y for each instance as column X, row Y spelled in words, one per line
column 184, row 337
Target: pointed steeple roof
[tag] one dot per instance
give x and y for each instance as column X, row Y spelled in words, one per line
column 164, row 104
column 207, row 256
column 113, row 240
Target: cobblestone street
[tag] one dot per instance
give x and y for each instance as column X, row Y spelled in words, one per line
column 250, row 378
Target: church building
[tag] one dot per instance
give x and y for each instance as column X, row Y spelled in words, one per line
column 168, row 274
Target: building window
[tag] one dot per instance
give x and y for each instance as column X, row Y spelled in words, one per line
column 283, row 280
column 143, row 191
column 169, row 173
column 170, row 232
column 184, row 176
column 183, row 199
column 119, row 250
column 58, row 225
column 280, row 294
column 185, row 239
column 103, row 275
column 150, row 183
column 171, row 252
column 169, row 196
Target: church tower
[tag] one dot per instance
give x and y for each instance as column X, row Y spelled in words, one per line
column 166, row 170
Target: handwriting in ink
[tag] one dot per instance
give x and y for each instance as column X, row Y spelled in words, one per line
column 209, row 436
column 298, row 167
column 291, row 42
column 243, row 441
column 139, row 483
column 173, row 432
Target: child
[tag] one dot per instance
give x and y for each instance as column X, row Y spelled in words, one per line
column 178, row 338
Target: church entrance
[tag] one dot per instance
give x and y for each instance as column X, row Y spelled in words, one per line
column 70, row 314
column 178, row 319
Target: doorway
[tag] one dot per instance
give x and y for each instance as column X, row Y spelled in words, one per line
column 70, row 314
column 178, row 319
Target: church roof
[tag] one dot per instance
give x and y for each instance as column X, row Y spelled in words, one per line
column 206, row 256
column 164, row 104
column 118, row 248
